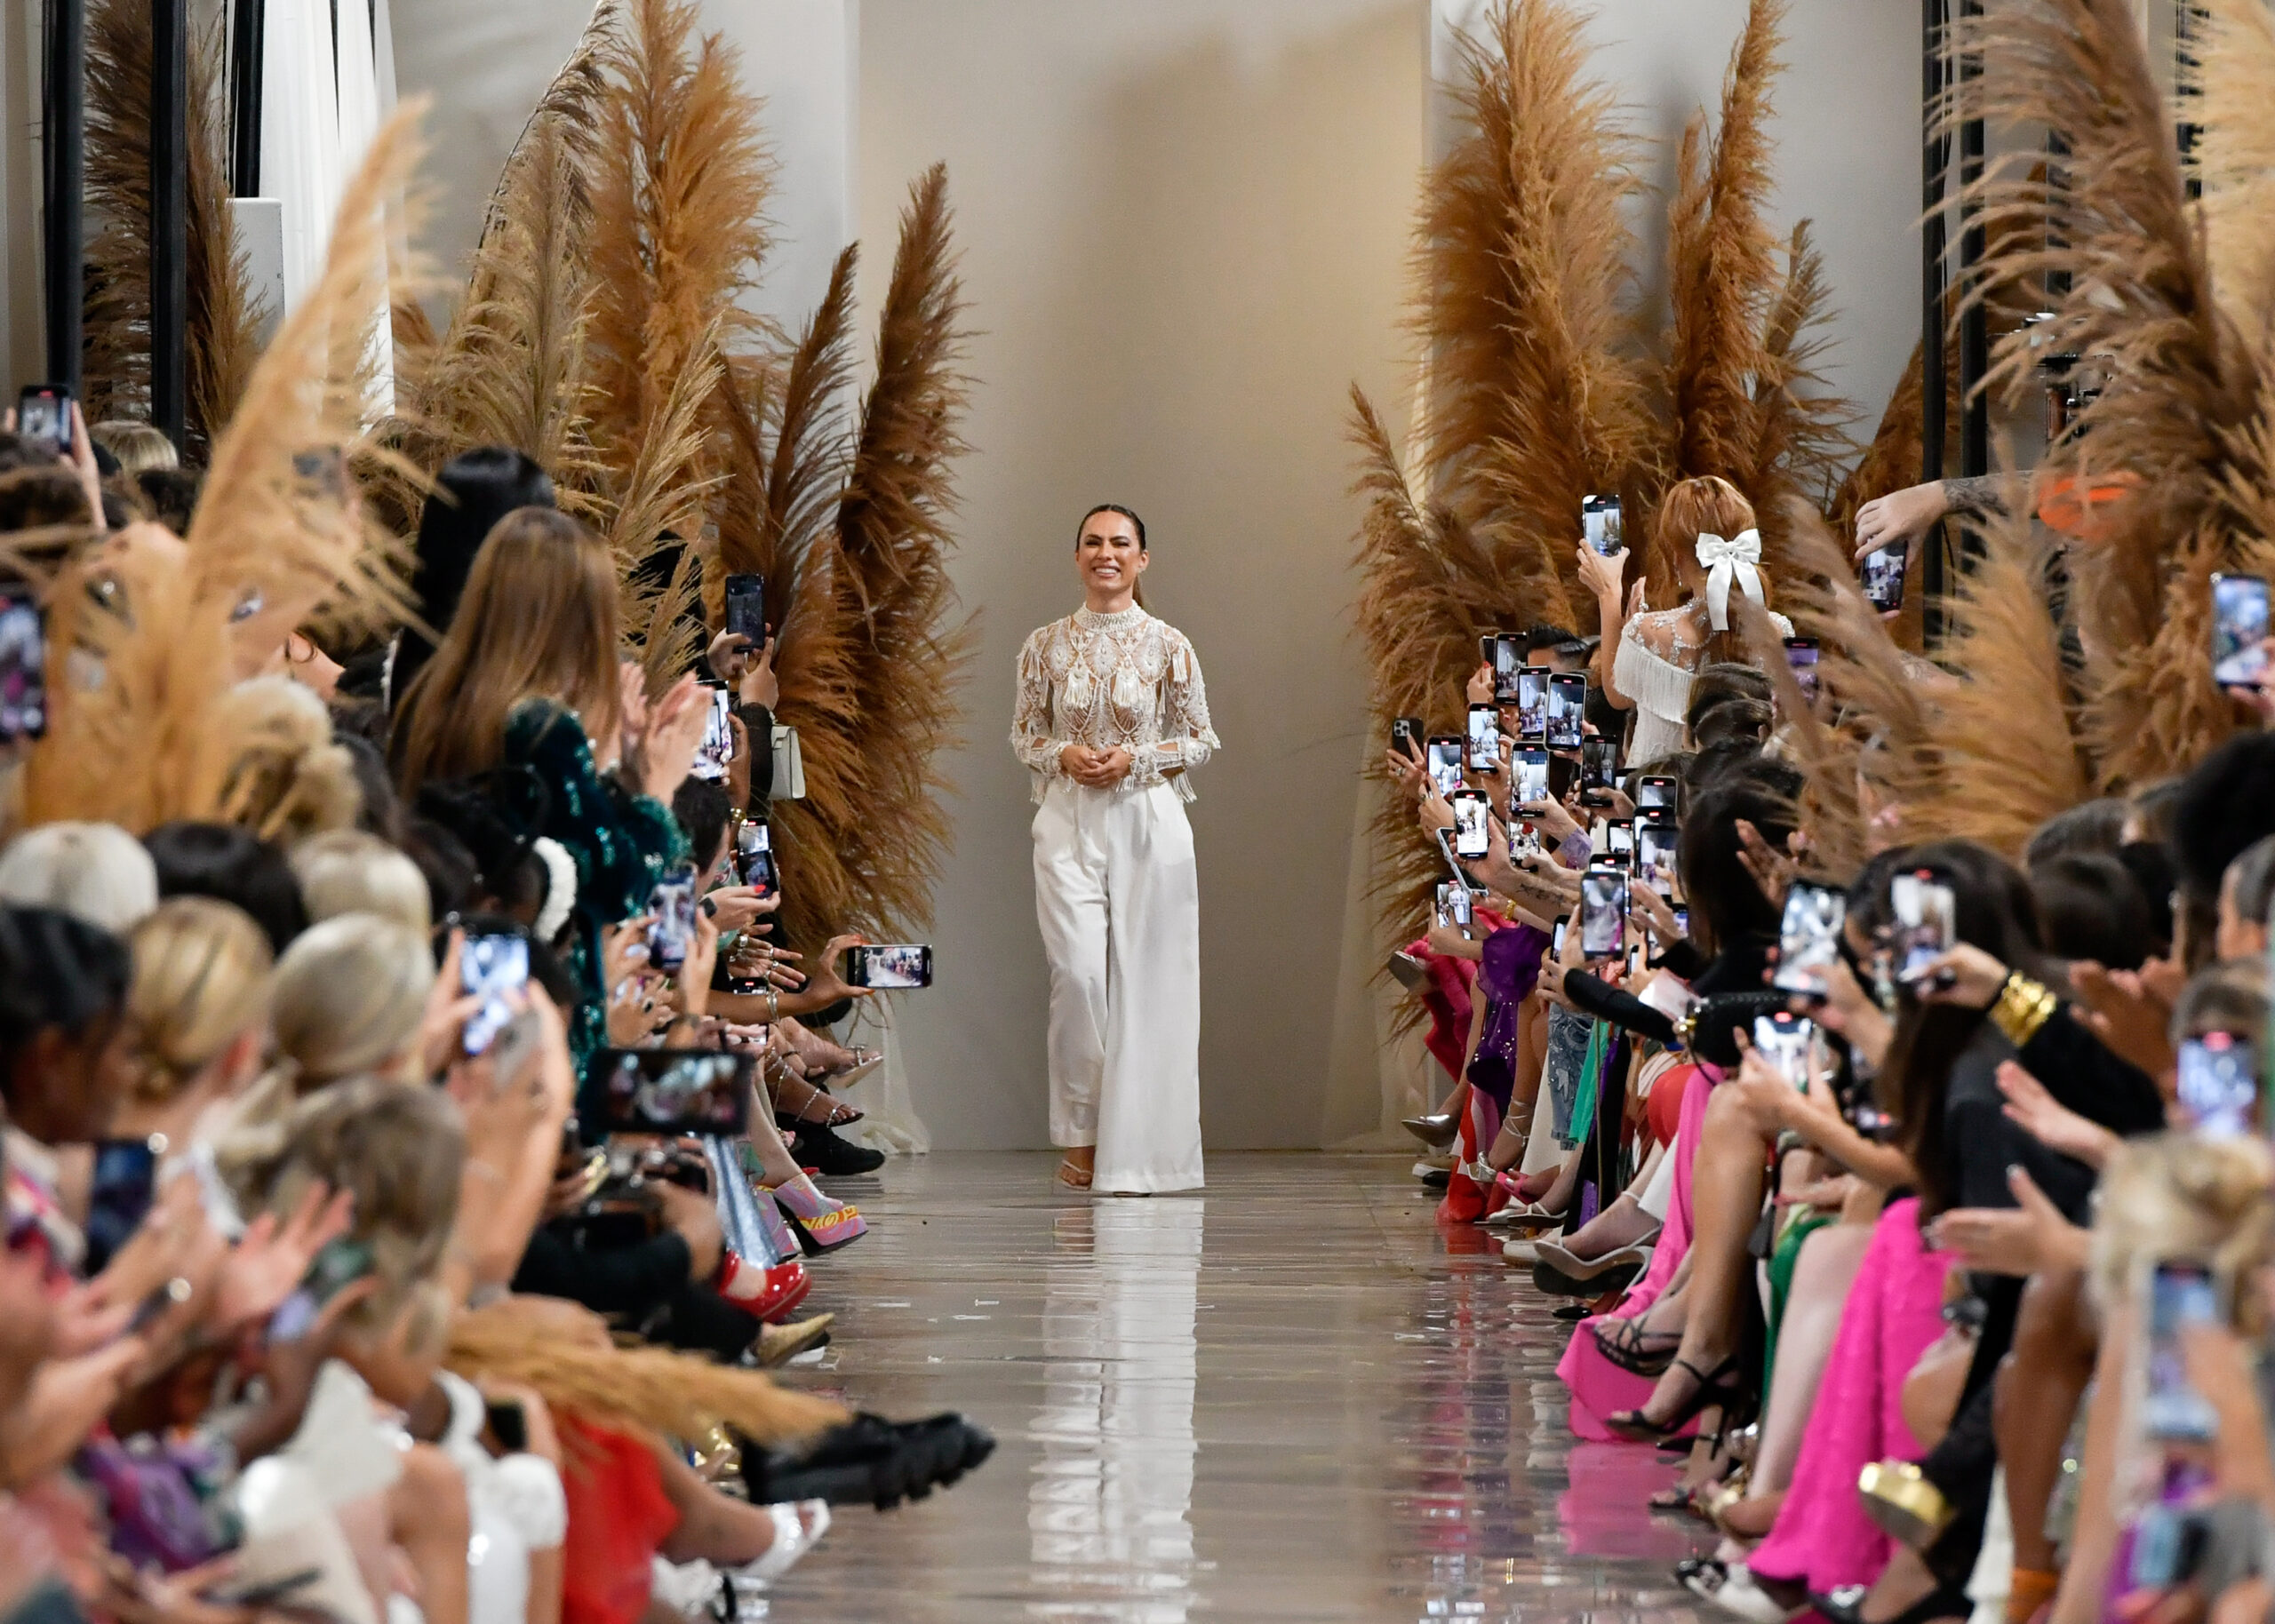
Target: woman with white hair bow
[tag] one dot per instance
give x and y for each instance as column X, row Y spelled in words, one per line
column 1708, row 528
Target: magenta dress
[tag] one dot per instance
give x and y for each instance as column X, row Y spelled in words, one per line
column 1822, row 1537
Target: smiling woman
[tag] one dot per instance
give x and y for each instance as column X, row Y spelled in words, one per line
column 1110, row 716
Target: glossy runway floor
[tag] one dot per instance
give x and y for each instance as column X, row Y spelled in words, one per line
column 1290, row 1398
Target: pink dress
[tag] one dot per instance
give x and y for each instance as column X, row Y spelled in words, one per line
column 1822, row 1537
column 1599, row 1388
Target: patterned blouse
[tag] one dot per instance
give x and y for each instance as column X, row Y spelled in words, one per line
column 1125, row 679
column 622, row 845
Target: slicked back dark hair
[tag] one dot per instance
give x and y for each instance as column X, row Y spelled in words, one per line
column 1130, row 513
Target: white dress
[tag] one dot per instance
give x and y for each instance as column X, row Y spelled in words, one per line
column 1660, row 654
column 1116, row 893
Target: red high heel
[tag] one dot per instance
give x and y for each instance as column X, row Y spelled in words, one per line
column 772, row 1294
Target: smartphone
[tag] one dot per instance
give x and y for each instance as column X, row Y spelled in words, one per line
column 492, row 967
column 44, row 416
column 2219, row 1085
column 1926, row 921
column 1603, row 913
column 1784, row 1041
column 676, row 1093
column 1532, row 706
column 126, row 1182
column 23, row 664
column 338, row 1266
column 1809, row 938
column 1472, row 824
column 671, row 932
column 2238, row 630
column 903, row 965
column 1657, row 841
column 1800, row 655
column 1556, row 942
column 1506, row 655
column 1683, row 920
column 509, row 1424
column 1444, row 762
column 2180, row 1296
column 1532, row 776
column 1454, row 911
column 1656, row 790
column 1883, row 577
column 754, row 855
column 1408, row 733
column 1619, row 843
column 746, row 597
column 717, row 747
column 1600, row 522
column 1567, row 708
column 1485, row 737
column 1599, row 763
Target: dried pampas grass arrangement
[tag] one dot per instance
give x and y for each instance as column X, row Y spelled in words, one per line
column 879, row 727
column 151, row 635
column 2175, row 433
column 224, row 315
column 1524, row 281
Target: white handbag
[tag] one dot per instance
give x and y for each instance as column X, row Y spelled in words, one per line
column 789, row 766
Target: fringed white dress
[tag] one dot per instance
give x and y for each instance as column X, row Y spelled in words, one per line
column 1116, row 892
column 1660, row 654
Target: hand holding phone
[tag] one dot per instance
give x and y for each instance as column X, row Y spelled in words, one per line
column 1472, row 826
column 1603, row 913
column 893, row 968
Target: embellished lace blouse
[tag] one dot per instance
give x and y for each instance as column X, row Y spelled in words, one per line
column 1125, row 679
column 1659, row 653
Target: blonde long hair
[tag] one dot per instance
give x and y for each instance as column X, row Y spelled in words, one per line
column 538, row 620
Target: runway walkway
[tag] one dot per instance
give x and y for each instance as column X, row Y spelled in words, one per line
column 1290, row 1398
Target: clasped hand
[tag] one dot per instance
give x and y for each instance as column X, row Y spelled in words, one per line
column 1096, row 769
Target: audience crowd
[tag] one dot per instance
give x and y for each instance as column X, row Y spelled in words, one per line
column 409, row 1181
column 1926, row 1209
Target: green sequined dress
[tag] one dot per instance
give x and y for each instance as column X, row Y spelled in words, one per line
column 622, row 845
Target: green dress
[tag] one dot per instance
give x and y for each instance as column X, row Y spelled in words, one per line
column 621, row 843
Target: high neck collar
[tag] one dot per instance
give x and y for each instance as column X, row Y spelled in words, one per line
column 1121, row 620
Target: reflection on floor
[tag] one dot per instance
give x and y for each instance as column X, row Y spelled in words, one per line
column 1292, row 1398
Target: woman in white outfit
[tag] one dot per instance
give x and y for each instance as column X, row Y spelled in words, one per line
column 1111, row 721
column 1709, row 529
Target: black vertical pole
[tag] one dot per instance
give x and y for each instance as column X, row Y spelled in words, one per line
column 1974, row 324
column 63, row 128
column 2188, row 19
column 1935, row 163
column 248, row 40
column 169, row 216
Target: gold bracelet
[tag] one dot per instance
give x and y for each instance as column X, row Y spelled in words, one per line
column 773, row 1006
column 2023, row 1006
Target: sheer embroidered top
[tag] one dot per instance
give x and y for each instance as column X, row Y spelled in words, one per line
column 1107, row 680
column 1659, row 653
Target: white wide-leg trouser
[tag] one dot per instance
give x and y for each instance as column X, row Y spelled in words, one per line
column 1118, row 899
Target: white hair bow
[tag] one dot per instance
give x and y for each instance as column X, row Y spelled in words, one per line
column 1722, row 560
